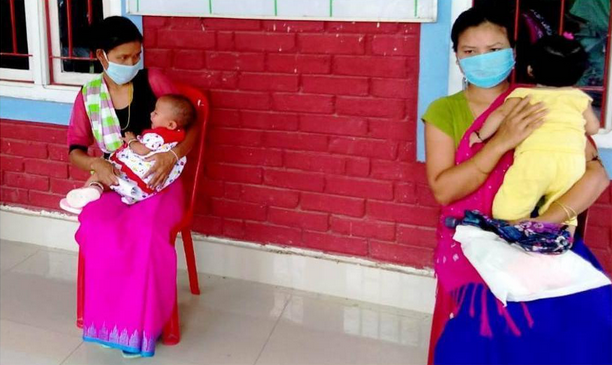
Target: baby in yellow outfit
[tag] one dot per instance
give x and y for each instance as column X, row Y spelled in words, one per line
column 549, row 161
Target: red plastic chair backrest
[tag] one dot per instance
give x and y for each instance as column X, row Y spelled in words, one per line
column 583, row 219
column 192, row 176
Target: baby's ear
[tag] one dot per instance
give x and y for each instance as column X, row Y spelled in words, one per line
column 172, row 125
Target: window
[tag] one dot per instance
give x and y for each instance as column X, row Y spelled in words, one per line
column 14, row 56
column 588, row 21
column 44, row 52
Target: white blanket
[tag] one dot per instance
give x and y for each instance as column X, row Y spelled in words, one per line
column 517, row 276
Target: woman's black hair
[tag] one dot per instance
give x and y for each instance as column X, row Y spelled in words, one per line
column 557, row 61
column 112, row 32
column 478, row 15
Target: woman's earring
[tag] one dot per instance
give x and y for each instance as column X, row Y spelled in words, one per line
column 464, row 82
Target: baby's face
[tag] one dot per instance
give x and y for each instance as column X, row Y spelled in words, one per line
column 161, row 117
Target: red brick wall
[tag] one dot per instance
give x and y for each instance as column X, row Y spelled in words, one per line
column 34, row 165
column 311, row 142
column 312, row 136
column 35, row 173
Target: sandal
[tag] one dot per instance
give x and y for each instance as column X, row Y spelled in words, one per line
column 78, row 198
column 69, row 208
column 130, row 355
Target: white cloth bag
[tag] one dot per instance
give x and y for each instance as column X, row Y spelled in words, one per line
column 518, row 276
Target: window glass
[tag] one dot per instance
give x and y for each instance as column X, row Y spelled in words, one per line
column 585, row 20
column 82, row 13
column 13, row 43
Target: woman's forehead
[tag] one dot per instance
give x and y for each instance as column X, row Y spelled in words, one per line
column 128, row 48
column 485, row 34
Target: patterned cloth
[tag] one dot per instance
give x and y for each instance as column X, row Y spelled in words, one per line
column 540, row 237
column 133, row 186
column 101, row 112
column 134, row 342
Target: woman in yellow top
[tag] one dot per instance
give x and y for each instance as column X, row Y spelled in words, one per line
column 550, row 161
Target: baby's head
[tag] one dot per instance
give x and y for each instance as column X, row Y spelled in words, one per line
column 557, row 61
column 172, row 111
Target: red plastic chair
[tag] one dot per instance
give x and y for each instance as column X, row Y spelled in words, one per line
column 444, row 301
column 195, row 161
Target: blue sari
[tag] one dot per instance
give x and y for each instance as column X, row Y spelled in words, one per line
column 574, row 329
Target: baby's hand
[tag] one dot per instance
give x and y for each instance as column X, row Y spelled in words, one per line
column 474, row 139
column 139, row 148
column 128, row 137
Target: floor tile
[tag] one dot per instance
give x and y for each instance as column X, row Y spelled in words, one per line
column 91, row 354
column 228, row 324
column 237, row 295
column 317, row 331
column 41, row 292
column 13, row 253
column 231, row 322
column 28, row 345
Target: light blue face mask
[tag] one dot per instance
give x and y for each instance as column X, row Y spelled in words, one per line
column 489, row 69
column 122, row 74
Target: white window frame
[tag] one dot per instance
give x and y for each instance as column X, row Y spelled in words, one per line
column 26, row 75
column 455, row 78
column 17, row 75
column 35, row 83
column 59, row 76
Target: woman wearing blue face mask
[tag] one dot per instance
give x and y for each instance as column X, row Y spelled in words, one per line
column 470, row 325
column 130, row 264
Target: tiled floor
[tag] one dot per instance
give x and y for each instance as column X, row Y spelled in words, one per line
column 232, row 322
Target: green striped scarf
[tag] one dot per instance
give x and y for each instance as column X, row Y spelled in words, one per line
column 101, row 113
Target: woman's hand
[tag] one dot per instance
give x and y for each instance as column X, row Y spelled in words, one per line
column 474, row 138
column 105, row 171
column 164, row 162
column 518, row 124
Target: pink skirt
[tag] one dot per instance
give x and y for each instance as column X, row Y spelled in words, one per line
column 130, row 268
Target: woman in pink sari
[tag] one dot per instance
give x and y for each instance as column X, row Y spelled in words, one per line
column 470, row 324
column 130, row 263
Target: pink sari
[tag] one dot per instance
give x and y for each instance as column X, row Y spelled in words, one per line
column 130, row 268
column 452, row 268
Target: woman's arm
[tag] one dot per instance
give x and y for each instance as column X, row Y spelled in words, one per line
column 105, row 172
column 79, row 138
column 584, row 193
column 450, row 182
